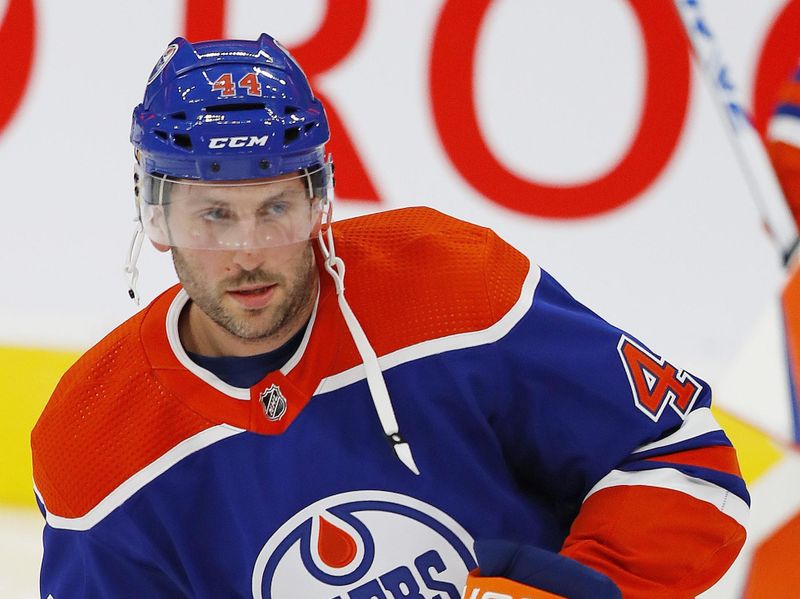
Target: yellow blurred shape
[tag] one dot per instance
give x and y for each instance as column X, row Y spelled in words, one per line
column 756, row 450
column 27, row 378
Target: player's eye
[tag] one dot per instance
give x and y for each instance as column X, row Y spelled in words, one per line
column 217, row 214
column 275, row 209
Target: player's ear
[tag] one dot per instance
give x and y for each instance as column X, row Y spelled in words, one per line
column 154, row 220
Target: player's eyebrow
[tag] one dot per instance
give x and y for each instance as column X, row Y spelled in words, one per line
column 276, row 197
column 205, row 201
column 222, row 202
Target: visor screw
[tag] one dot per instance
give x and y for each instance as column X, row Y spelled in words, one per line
column 136, row 177
column 215, row 167
column 264, row 164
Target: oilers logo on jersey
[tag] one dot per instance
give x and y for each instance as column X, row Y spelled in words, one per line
column 362, row 545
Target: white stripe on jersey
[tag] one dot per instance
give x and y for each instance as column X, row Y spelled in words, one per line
column 697, row 423
column 443, row 344
column 147, row 474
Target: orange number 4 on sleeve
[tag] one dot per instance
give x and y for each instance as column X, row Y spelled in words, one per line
column 655, row 383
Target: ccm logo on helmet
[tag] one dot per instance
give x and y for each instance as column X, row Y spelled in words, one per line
column 244, row 141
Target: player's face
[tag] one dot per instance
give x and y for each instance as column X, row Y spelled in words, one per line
column 251, row 296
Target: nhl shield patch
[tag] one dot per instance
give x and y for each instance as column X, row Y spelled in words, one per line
column 273, row 402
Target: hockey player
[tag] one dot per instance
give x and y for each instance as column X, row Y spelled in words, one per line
column 272, row 428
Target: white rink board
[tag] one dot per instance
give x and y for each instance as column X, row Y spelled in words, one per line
column 686, row 266
column 20, row 552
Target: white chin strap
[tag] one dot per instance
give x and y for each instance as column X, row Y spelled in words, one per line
column 377, row 386
column 130, row 268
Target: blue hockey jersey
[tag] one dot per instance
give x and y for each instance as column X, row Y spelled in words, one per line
column 529, row 418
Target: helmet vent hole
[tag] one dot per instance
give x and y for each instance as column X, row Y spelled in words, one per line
column 291, row 134
column 178, row 116
column 290, row 109
column 217, row 108
column 182, row 140
column 161, row 134
column 309, row 126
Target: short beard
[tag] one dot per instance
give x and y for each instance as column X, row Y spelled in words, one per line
column 298, row 296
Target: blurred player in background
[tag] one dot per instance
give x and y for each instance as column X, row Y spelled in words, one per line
column 268, row 428
column 783, row 141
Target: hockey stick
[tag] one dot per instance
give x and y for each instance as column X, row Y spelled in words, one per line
column 745, row 140
column 759, row 174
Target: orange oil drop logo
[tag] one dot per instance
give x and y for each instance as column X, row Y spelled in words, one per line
column 335, row 547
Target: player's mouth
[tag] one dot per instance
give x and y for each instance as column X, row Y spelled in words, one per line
column 253, row 297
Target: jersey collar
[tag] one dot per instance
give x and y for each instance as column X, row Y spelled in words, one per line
column 272, row 404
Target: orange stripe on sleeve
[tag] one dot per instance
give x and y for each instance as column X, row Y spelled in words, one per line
column 722, row 459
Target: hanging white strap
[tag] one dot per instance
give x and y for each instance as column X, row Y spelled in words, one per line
column 377, row 386
column 133, row 257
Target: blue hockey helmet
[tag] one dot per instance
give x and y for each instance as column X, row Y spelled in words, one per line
column 228, row 110
column 221, row 122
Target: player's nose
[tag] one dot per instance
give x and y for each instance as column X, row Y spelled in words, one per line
column 249, row 259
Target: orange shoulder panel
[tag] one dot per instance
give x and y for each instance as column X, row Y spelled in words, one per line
column 416, row 274
column 107, row 419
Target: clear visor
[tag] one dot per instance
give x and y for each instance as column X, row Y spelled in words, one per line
column 234, row 215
